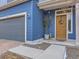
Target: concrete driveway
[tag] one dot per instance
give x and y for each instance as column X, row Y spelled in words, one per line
column 8, row 44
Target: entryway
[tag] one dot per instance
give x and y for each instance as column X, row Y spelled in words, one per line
column 63, row 23
column 61, row 27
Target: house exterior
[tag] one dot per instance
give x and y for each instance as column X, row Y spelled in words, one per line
column 23, row 24
column 24, row 20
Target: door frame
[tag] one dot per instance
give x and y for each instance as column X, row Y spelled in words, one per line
column 67, row 21
column 66, row 25
column 18, row 15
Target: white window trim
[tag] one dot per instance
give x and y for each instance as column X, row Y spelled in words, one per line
column 18, row 15
column 71, row 21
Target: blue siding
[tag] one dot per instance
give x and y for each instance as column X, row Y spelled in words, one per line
column 24, row 7
column 51, row 18
column 52, row 28
column 52, row 24
column 37, row 17
column 34, row 20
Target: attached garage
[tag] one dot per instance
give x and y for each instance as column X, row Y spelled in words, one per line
column 13, row 27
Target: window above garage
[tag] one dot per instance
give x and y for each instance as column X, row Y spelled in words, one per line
column 9, row 3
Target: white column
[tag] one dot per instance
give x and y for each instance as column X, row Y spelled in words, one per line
column 77, row 23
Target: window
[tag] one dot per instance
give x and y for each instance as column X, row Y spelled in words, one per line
column 70, row 22
column 3, row 2
column 64, row 11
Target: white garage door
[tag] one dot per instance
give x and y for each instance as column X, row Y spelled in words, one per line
column 13, row 28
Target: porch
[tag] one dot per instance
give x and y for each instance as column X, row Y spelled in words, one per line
column 71, row 17
column 60, row 23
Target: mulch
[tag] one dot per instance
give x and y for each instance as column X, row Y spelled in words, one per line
column 72, row 53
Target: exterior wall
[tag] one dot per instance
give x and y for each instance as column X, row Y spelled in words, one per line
column 51, row 18
column 34, row 19
column 24, row 7
column 51, row 28
column 52, row 24
column 37, row 18
column 35, row 28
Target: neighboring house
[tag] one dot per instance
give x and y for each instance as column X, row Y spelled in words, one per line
column 22, row 20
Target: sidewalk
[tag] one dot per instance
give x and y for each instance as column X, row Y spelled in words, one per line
column 39, row 51
column 42, row 51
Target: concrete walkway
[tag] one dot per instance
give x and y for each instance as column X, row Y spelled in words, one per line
column 51, row 52
column 44, row 50
column 8, row 44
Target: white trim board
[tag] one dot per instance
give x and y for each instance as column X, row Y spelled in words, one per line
column 77, row 23
column 18, row 15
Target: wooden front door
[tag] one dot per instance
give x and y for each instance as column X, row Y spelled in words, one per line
column 61, row 26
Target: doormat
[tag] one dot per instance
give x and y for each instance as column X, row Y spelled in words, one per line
column 11, row 55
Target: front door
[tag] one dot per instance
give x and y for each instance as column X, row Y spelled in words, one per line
column 61, row 26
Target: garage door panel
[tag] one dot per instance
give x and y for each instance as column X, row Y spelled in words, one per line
column 12, row 37
column 13, row 28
